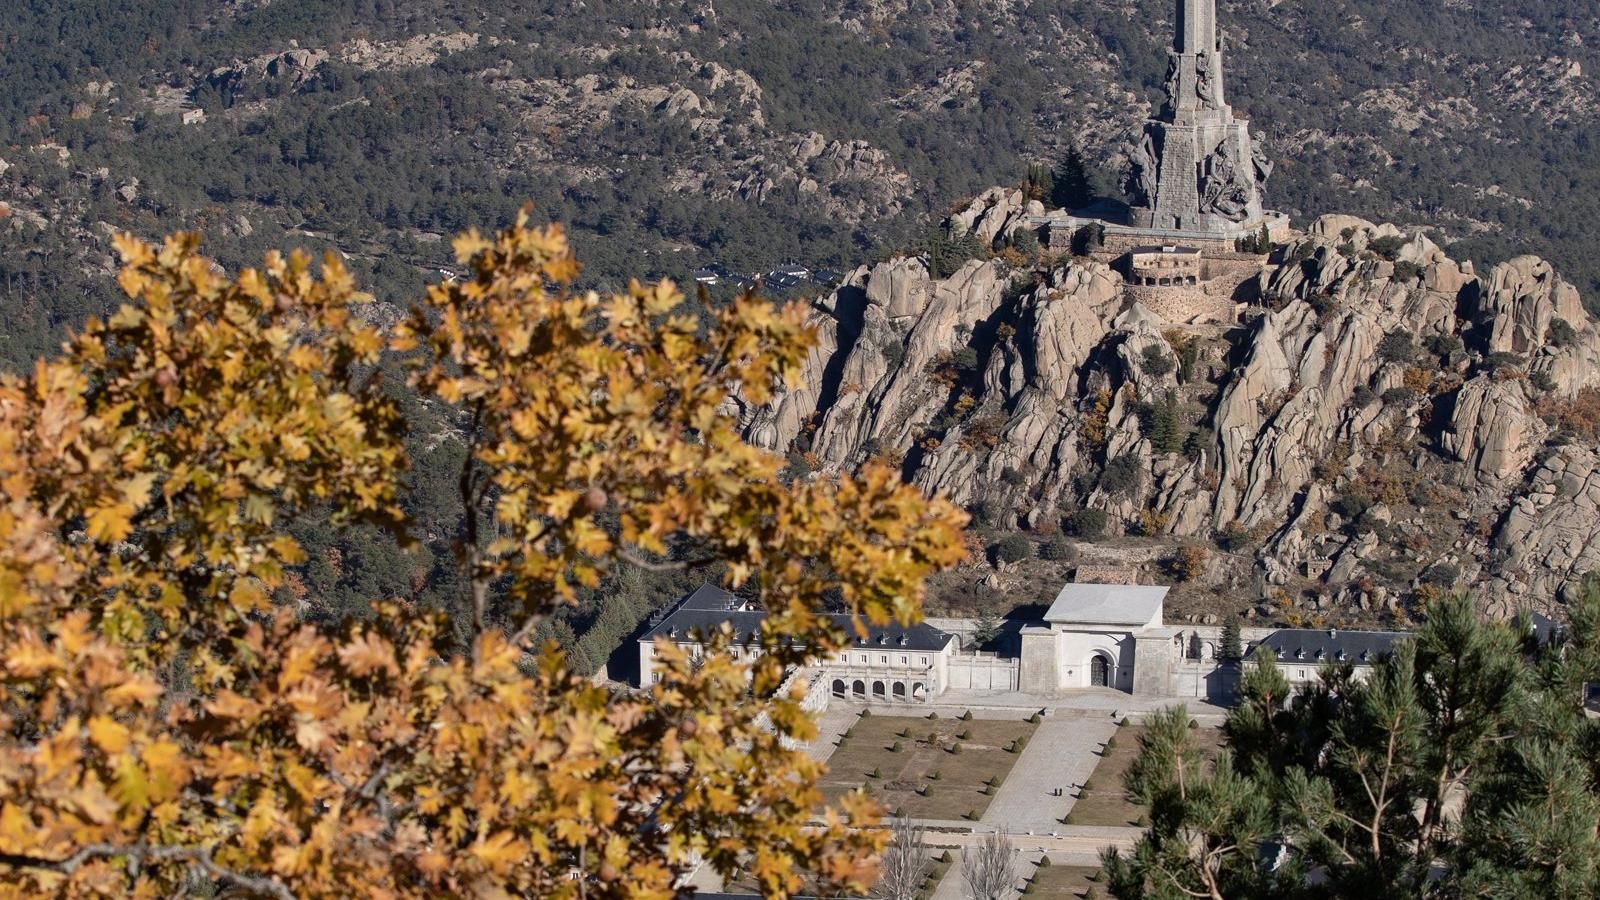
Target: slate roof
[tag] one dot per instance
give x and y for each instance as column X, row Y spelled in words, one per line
column 709, row 606
column 1315, row 646
column 1107, row 604
column 1544, row 628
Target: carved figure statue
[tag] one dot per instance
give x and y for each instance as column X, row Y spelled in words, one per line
column 1202, row 78
column 1146, row 163
column 1224, row 189
column 1172, row 80
column 1262, row 162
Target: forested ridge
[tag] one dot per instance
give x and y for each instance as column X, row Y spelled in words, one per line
column 673, row 135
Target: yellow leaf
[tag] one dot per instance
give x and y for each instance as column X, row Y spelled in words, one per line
column 500, row 851
column 111, row 523
column 137, row 690
column 108, row 734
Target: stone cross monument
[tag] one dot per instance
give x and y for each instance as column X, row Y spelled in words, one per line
column 1196, row 169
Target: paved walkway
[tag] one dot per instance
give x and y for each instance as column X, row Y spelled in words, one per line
column 1061, row 754
column 832, row 723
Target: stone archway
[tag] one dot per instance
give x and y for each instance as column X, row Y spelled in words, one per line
column 919, row 691
column 839, row 688
column 859, row 689
column 878, row 691
column 1099, row 671
column 899, row 690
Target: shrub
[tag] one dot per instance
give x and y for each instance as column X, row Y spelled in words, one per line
column 1444, row 345
column 1406, row 270
column 1399, row 396
column 947, row 858
column 1561, row 333
column 966, row 716
column 1111, row 742
column 1362, row 396
column 1034, row 719
column 1442, row 574
column 1089, row 524
column 876, row 773
column 1397, row 346
column 896, row 748
column 1058, row 550
column 1013, row 477
column 956, row 748
column 933, row 715
column 1121, row 475
column 1387, row 247
column 966, row 734
column 1193, row 724
column 966, row 359
column 1503, row 360
column 1156, row 361
column 1012, row 548
column 866, row 714
column 1044, row 863
column 1188, row 562
column 934, row 775
column 1350, row 505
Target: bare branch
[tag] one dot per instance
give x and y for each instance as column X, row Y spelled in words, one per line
column 905, row 862
column 199, row 857
column 990, row 869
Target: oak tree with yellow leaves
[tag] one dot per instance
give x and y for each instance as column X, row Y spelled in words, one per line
column 165, row 728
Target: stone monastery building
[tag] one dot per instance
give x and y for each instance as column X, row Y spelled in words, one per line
column 1094, row 636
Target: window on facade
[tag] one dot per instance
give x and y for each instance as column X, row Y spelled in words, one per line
column 905, row 660
column 844, row 657
column 922, row 660
column 862, row 659
column 883, row 658
column 735, row 654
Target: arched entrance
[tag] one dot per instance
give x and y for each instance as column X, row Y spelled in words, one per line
column 900, row 690
column 838, row 687
column 878, row 692
column 1099, row 671
column 859, row 689
column 919, row 691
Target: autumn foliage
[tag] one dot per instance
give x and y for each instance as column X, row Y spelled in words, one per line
column 166, row 728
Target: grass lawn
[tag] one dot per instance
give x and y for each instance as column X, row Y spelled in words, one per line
column 1066, row 881
column 1103, row 800
column 905, row 779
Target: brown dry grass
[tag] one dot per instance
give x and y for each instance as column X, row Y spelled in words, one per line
column 1066, row 881
column 905, row 784
column 1103, row 801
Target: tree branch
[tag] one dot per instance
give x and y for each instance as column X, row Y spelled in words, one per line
column 199, row 857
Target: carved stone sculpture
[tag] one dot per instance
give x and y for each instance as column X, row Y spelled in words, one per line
column 1196, row 168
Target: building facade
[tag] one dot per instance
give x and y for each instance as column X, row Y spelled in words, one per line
column 1093, row 636
column 895, row 663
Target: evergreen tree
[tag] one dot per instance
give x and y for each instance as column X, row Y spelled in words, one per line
column 1207, row 822
column 1232, row 646
column 1167, row 428
column 1462, row 765
column 1071, row 185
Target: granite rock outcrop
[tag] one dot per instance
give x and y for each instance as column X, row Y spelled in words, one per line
column 1385, row 422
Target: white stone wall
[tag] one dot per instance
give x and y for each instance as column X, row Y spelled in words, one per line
column 983, row 672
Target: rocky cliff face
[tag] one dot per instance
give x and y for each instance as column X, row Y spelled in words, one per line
column 1386, row 424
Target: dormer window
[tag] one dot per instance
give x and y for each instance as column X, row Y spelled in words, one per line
column 1299, row 653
